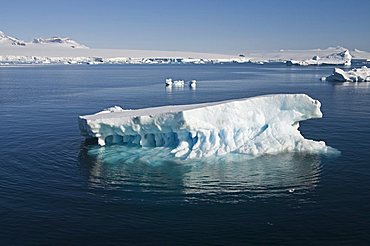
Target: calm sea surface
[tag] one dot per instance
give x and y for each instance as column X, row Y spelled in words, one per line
column 55, row 188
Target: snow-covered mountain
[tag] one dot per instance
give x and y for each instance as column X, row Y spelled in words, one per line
column 8, row 40
column 59, row 41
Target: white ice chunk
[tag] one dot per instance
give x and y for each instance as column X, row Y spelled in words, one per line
column 169, row 82
column 257, row 125
column 178, row 83
column 354, row 75
column 193, row 83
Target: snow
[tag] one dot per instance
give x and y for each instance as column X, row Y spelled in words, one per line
column 9, row 41
column 360, row 54
column 39, row 43
column 287, row 55
column 111, row 110
column 355, row 75
column 56, row 53
column 341, row 58
column 60, row 42
column 255, row 126
column 58, row 50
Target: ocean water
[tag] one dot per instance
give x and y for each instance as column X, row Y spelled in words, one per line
column 57, row 188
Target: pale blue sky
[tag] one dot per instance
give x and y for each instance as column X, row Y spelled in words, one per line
column 224, row 26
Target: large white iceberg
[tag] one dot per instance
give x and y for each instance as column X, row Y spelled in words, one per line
column 355, row 75
column 257, row 125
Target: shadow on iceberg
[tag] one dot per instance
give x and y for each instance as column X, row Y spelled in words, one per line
column 152, row 173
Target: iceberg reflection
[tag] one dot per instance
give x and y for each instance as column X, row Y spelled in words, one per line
column 230, row 178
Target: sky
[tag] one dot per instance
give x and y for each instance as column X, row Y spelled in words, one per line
column 216, row 26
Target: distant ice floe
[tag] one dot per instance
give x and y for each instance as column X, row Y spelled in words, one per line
column 193, row 83
column 355, row 75
column 179, row 83
column 253, row 126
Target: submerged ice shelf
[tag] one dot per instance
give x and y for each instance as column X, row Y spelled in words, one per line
column 255, row 126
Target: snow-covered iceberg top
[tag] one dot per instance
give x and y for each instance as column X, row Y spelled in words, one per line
column 342, row 58
column 257, row 125
column 355, row 75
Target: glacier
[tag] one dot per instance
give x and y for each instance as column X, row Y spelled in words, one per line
column 57, row 50
column 355, row 75
column 259, row 125
column 341, row 58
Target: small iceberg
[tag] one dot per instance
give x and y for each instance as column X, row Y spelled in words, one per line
column 355, row 75
column 174, row 83
column 254, row 126
column 178, row 83
column 193, row 83
column 169, row 82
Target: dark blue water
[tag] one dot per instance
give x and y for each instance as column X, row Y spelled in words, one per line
column 57, row 189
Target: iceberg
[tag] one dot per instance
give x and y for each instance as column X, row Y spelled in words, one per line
column 178, row 83
column 355, row 75
column 342, row 58
column 193, row 83
column 259, row 125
